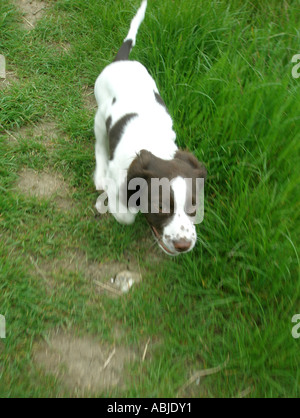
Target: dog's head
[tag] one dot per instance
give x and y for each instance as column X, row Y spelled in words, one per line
column 167, row 196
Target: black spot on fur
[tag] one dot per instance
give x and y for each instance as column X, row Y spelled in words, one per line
column 108, row 124
column 124, row 51
column 115, row 132
column 160, row 100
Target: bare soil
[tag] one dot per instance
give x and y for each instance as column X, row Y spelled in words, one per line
column 10, row 79
column 89, row 99
column 83, row 363
column 107, row 278
column 45, row 185
column 32, row 11
column 45, row 131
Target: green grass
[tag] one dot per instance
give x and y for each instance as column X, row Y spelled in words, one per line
column 224, row 70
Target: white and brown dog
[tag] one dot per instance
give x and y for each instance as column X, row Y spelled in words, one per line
column 135, row 139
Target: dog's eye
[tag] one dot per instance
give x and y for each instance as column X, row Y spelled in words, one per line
column 160, row 208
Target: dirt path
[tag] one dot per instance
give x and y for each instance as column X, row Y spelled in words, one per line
column 32, row 11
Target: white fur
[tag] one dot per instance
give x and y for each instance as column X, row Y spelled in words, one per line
column 136, row 22
column 181, row 226
column 133, row 88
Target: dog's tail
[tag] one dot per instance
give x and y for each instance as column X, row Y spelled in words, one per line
column 130, row 40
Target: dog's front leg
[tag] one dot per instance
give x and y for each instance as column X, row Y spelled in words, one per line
column 111, row 201
column 120, row 212
column 101, row 152
column 115, row 207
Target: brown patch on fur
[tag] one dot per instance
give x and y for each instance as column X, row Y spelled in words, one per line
column 115, row 132
column 161, row 101
column 148, row 166
column 124, row 51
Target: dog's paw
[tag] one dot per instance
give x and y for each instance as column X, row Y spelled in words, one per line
column 125, row 218
column 99, row 179
column 99, row 184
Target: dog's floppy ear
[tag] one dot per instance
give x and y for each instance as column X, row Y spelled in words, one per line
column 190, row 159
column 137, row 177
column 139, row 167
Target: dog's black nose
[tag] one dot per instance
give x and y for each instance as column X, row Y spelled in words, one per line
column 182, row 245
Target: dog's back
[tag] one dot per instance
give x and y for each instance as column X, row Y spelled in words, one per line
column 125, row 90
column 125, row 78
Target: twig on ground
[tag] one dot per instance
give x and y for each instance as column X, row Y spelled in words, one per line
column 27, row 21
column 145, row 351
column 203, row 373
column 245, row 393
column 38, row 11
column 39, row 270
column 8, row 133
column 109, row 358
column 108, row 288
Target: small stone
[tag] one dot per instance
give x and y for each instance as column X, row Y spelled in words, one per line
column 126, row 279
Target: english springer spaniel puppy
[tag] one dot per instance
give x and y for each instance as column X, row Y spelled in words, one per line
column 135, row 140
